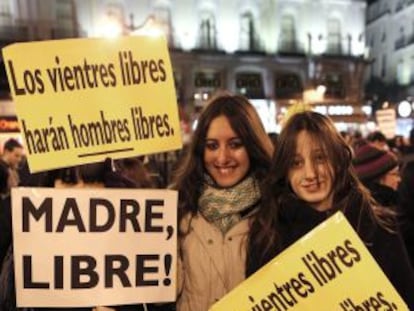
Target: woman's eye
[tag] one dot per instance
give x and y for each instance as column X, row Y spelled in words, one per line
column 320, row 158
column 236, row 144
column 296, row 163
column 211, row 146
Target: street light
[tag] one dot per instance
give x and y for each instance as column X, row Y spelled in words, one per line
column 404, row 109
column 314, row 95
column 109, row 27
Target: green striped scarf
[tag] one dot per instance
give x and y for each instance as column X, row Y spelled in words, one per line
column 222, row 206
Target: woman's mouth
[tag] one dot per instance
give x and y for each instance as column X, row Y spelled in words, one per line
column 313, row 186
column 225, row 170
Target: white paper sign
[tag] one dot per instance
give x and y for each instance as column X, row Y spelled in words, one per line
column 91, row 247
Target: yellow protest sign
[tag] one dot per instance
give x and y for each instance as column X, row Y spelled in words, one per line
column 82, row 100
column 328, row 269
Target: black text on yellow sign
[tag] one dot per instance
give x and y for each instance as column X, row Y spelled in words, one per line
column 85, row 99
column 64, row 78
column 328, row 269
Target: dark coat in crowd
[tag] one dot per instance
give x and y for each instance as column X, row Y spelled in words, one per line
column 384, row 195
column 298, row 219
column 5, row 227
column 406, row 207
column 5, row 214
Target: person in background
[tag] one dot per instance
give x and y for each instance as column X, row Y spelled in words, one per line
column 28, row 179
column 10, row 160
column 399, row 145
column 379, row 172
column 134, row 169
column 378, row 139
column 311, row 178
column 347, row 137
column 219, row 188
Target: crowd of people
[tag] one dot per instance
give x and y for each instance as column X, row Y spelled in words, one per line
column 245, row 197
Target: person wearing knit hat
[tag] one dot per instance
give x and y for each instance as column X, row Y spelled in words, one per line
column 372, row 163
column 378, row 170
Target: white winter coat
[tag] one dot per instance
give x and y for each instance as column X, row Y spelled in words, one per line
column 209, row 264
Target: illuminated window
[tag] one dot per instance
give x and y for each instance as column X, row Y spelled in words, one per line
column 208, row 32
column 401, row 71
column 287, row 37
column 288, row 86
column 250, row 84
column 247, row 32
column 372, row 41
column 334, row 85
column 400, row 42
column 65, row 20
column 412, row 70
column 207, row 79
column 5, row 15
column 384, row 36
column 384, row 66
column 334, row 37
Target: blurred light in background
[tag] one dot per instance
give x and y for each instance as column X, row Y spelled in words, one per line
column 109, row 28
column 404, row 109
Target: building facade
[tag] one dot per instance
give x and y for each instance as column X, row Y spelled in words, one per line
column 390, row 40
column 276, row 52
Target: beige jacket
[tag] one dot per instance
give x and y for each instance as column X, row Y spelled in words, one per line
column 210, row 264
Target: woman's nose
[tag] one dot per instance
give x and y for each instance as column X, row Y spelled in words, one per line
column 222, row 155
column 309, row 170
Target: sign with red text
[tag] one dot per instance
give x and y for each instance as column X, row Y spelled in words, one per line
column 329, row 269
column 94, row 247
column 82, row 100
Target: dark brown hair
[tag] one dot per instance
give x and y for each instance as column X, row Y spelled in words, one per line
column 245, row 122
column 347, row 189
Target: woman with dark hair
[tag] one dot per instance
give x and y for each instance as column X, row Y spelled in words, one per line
column 312, row 177
column 219, row 192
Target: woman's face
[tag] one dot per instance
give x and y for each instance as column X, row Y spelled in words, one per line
column 225, row 156
column 310, row 176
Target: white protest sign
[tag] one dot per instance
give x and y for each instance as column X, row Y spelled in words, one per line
column 91, row 247
column 387, row 121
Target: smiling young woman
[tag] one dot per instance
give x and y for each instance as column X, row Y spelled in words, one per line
column 312, row 177
column 219, row 184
